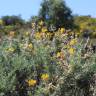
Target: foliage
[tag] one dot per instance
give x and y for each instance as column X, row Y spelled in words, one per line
column 12, row 20
column 87, row 25
column 57, row 13
column 44, row 63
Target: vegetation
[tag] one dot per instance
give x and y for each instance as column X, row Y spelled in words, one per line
column 12, row 20
column 37, row 59
column 57, row 13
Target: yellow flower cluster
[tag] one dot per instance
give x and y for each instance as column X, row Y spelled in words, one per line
column 71, row 51
column 31, row 82
column 30, row 46
column 62, row 30
column 49, row 35
column 38, row 35
column 44, row 29
column 26, row 33
column 73, row 42
column 41, row 23
column 33, row 25
column 45, row 77
column 60, row 55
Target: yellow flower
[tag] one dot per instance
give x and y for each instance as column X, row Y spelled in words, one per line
column 49, row 35
column 45, row 76
column 73, row 41
column 41, row 23
column 30, row 46
column 62, row 30
column 37, row 35
column 44, row 29
column 11, row 49
column 71, row 51
column 31, row 82
column 33, row 24
column 60, row 55
column 26, row 33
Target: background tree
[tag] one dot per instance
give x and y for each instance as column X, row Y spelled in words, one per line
column 56, row 12
column 12, row 20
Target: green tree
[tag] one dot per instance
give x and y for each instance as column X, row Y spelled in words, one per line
column 56, row 12
column 12, row 20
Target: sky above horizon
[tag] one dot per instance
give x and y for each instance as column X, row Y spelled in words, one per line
column 28, row 8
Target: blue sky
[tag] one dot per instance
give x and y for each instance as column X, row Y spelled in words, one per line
column 27, row 8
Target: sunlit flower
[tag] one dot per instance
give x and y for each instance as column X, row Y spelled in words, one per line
column 45, row 77
column 73, row 41
column 41, row 23
column 71, row 51
column 30, row 46
column 44, row 29
column 58, row 54
column 31, row 82
column 62, row 30
column 26, row 33
column 48, row 35
column 33, row 24
column 38, row 35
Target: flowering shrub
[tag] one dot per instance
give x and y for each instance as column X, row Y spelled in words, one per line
column 46, row 64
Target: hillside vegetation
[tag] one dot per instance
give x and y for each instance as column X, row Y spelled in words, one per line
column 48, row 56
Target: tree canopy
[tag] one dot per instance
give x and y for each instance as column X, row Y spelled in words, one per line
column 12, row 20
column 56, row 12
